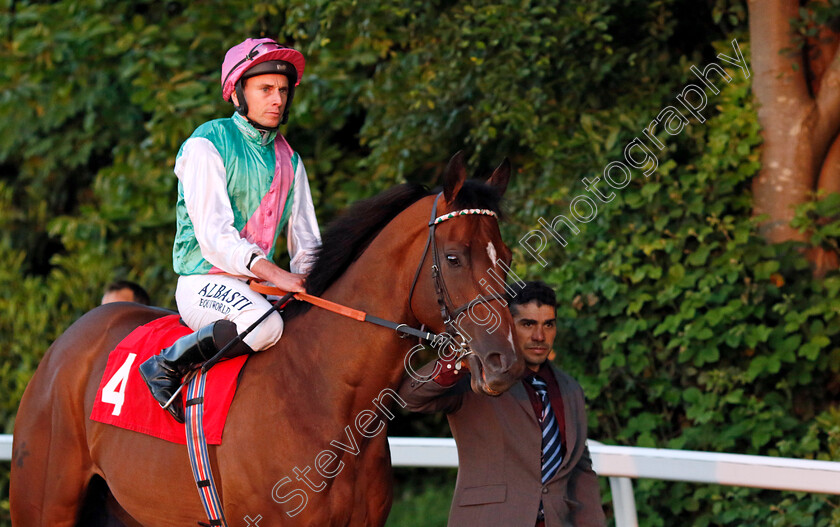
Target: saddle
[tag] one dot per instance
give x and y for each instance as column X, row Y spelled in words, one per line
column 123, row 399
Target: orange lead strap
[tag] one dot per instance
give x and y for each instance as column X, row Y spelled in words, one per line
column 314, row 300
column 339, row 309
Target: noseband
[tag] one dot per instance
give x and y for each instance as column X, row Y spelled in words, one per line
column 444, row 300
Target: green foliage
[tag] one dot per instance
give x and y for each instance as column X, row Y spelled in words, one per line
column 821, row 220
column 424, row 504
column 685, row 328
column 689, row 331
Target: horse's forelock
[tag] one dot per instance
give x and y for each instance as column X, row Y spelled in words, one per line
column 476, row 194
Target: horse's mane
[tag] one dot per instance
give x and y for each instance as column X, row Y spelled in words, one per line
column 347, row 237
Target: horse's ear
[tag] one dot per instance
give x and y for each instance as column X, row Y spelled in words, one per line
column 500, row 177
column 454, row 176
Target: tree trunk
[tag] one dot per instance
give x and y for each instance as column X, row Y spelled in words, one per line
column 799, row 111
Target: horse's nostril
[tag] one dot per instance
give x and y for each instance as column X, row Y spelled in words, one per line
column 494, row 361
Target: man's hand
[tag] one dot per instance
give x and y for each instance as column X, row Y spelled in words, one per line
column 268, row 272
column 450, row 373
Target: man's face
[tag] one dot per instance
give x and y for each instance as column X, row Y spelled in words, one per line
column 535, row 332
column 266, row 96
column 119, row 295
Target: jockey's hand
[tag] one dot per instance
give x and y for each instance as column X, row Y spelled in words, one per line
column 292, row 283
column 282, row 279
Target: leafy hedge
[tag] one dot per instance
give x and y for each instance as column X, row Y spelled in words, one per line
column 689, row 331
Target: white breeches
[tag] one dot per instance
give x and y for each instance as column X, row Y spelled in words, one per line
column 204, row 298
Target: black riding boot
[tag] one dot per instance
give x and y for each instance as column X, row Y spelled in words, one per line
column 163, row 372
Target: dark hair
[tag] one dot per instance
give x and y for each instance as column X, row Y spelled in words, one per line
column 534, row 291
column 140, row 294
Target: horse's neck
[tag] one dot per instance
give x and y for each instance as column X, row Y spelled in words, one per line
column 340, row 352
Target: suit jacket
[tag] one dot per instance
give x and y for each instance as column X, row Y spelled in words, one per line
column 499, row 447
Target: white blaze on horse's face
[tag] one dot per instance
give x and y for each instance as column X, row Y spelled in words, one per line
column 491, row 252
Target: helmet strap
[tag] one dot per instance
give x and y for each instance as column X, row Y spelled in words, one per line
column 242, row 107
column 291, row 96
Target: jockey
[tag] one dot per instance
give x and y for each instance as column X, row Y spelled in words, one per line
column 239, row 185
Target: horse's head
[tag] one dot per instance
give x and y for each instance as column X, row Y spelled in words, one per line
column 459, row 287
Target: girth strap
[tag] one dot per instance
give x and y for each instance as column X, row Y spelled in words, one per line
column 197, row 448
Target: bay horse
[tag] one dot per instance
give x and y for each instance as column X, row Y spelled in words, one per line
column 293, row 399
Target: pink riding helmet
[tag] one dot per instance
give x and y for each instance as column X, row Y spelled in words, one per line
column 244, row 56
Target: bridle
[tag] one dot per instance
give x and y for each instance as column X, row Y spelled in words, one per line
column 461, row 348
column 444, row 299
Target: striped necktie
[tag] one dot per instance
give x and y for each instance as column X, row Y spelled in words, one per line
column 551, row 457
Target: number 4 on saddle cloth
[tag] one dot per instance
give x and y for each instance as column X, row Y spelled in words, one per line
column 123, row 399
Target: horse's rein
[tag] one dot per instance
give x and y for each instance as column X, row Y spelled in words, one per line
column 449, row 316
column 345, row 311
column 461, row 349
column 286, row 297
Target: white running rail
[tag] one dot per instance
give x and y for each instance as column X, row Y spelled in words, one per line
column 620, row 463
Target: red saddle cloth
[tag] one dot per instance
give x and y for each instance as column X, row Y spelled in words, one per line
column 124, row 400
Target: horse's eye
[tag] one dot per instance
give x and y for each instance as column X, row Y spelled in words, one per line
column 453, row 260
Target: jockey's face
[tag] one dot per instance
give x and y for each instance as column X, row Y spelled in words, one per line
column 535, row 332
column 266, row 96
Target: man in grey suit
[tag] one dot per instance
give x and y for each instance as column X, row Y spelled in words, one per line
column 523, row 458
